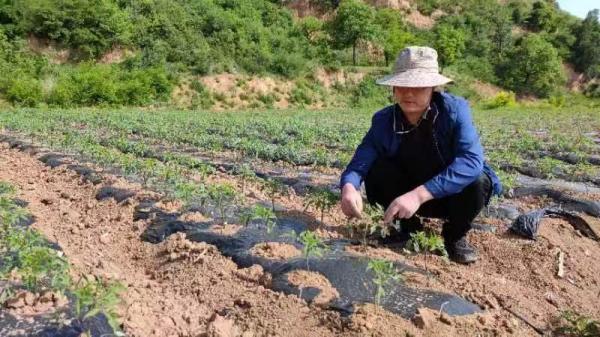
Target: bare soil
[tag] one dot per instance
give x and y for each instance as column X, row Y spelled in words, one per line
column 182, row 288
column 304, row 279
column 275, row 250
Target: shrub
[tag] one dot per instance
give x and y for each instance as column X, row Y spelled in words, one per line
column 89, row 27
column 301, row 94
column 89, row 84
column 25, row 91
column 533, row 67
column 557, row 100
column 502, row 99
column 368, row 94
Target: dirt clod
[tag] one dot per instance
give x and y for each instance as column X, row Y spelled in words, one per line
column 424, row 318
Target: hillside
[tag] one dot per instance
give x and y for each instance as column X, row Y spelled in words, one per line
column 149, row 53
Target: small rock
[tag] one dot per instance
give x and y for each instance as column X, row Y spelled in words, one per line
column 424, row 318
column 242, row 303
column 552, row 298
column 481, row 319
column 105, row 238
column 47, row 201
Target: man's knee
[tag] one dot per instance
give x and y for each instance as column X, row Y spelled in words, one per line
column 479, row 190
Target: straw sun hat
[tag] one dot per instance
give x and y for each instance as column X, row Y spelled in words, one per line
column 416, row 67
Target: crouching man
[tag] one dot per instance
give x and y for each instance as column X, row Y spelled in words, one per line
column 422, row 156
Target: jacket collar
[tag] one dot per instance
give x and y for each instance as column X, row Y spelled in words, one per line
column 399, row 119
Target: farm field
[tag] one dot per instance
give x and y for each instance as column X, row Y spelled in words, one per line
column 190, row 215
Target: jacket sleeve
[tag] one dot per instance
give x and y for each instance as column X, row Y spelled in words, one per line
column 361, row 162
column 468, row 161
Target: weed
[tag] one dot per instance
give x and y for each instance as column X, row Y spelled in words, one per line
column 385, row 274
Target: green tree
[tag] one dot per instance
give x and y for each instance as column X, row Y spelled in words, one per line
column 586, row 51
column 533, row 67
column 543, row 17
column 393, row 33
column 449, row 43
column 90, row 27
column 519, row 11
column 354, row 21
column 501, row 32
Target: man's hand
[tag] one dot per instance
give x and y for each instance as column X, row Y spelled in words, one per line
column 406, row 205
column 352, row 204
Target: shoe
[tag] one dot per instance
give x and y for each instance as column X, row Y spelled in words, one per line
column 461, row 251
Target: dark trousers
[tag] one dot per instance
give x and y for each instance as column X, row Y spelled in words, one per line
column 386, row 181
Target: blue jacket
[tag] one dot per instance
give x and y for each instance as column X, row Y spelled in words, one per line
column 455, row 134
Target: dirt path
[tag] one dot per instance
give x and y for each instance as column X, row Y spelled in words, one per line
column 180, row 288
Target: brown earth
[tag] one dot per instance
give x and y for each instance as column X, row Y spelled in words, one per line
column 275, row 250
column 181, row 288
column 304, row 279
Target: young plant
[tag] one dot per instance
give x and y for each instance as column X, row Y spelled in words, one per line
column 370, row 222
column 384, row 274
column 222, row 195
column 43, row 268
column 274, row 189
column 246, row 174
column 428, row 243
column 267, row 216
column 312, row 246
column 190, row 193
column 321, row 199
column 578, row 326
column 94, row 297
column 247, row 217
column 10, row 215
column 147, row 169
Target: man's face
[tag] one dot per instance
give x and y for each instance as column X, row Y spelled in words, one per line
column 413, row 100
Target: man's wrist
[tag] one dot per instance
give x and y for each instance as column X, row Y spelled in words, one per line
column 348, row 187
column 422, row 194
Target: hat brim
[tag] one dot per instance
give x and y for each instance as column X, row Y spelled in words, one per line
column 414, row 79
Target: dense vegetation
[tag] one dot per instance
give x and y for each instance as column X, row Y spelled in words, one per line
column 520, row 46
